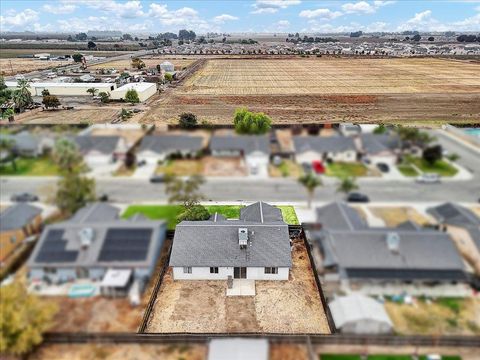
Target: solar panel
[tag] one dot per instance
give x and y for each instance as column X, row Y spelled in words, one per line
column 53, row 249
column 125, row 245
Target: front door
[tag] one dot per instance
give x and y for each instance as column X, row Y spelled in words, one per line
column 239, row 272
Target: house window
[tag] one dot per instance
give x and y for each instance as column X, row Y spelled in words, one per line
column 213, row 270
column 271, row 270
column 187, row 269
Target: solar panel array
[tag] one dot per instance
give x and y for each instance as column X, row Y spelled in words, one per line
column 125, row 245
column 53, row 249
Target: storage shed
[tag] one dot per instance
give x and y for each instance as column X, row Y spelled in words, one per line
column 144, row 90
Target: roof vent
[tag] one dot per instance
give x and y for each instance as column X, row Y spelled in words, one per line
column 393, row 241
column 243, row 237
column 86, row 237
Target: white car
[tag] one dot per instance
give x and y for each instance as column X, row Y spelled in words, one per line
column 428, row 178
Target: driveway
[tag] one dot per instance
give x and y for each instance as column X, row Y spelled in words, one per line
column 145, row 171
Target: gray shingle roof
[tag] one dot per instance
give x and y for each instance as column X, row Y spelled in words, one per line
column 95, row 213
column 245, row 143
column 104, row 144
column 261, row 212
column 23, row 141
column 454, row 214
column 18, row 216
column 376, row 143
column 210, row 243
column 339, row 216
column 323, row 144
column 167, row 143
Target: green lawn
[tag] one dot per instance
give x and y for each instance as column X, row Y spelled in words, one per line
column 343, row 169
column 169, row 213
column 289, row 215
column 41, row 166
column 378, row 357
column 407, row 170
column 441, row 167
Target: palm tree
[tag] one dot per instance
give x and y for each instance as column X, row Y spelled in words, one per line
column 22, row 96
column 347, row 184
column 310, row 182
column 92, row 91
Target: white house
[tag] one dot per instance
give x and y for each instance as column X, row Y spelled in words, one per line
column 144, row 90
column 360, row 314
column 255, row 150
column 255, row 247
column 167, row 66
column 317, row 148
column 155, row 148
column 379, row 148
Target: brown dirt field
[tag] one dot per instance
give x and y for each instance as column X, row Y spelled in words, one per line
column 223, row 166
column 120, row 351
column 292, row 306
column 75, row 116
column 288, row 352
column 435, row 319
column 11, row 67
column 326, row 90
column 394, row 216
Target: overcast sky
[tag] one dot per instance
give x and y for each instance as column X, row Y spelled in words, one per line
column 239, row 16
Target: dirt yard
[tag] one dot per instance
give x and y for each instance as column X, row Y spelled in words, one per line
column 181, row 167
column 223, row 166
column 393, row 216
column 178, row 63
column 75, row 116
column 448, row 316
column 120, row 351
column 327, row 90
column 292, row 306
column 16, row 66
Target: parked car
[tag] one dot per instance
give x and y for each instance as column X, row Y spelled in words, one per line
column 384, row 168
column 428, row 178
column 357, row 197
column 24, row 197
column 141, row 163
column 307, row 168
column 318, row 167
column 103, row 198
column 155, row 179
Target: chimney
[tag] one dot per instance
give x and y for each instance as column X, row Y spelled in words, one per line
column 393, row 241
column 243, row 237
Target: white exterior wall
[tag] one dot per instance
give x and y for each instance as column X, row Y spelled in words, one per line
column 346, row 156
column 253, row 273
column 60, row 89
column 257, row 163
column 94, row 160
column 366, row 326
column 143, row 93
column 308, row 157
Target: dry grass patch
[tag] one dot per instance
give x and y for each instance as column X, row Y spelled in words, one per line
column 75, row 116
column 446, row 316
column 182, row 167
column 287, row 168
column 179, row 64
column 120, row 351
column 11, row 67
column 223, row 166
column 394, row 216
column 200, row 306
column 288, row 352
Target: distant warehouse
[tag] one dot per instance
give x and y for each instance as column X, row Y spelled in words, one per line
column 64, row 89
column 144, row 90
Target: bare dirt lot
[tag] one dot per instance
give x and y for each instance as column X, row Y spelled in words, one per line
column 120, row 351
column 178, row 63
column 10, row 67
column 292, row 306
column 75, row 116
column 326, row 90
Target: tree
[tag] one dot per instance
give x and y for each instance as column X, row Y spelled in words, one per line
column 187, row 121
column 8, row 146
column 66, row 156
column 132, row 96
column 310, row 182
column 51, row 101
column 74, row 191
column 92, row 91
column 45, row 92
column 24, row 317
column 431, row 38
column 5, row 93
column 77, row 57
column 416, row 37
column 168, row 77
column 195, row 213
column 186, row 191
column 251, row 123
column 138, row 63
column 104, row 97
column 22, row 96
column 413, row 136
column 432, row 154
column 347, row 185
column 91, row 45
column 8, row 114
column 380, row 129
column 81, row 36
column 127, row 37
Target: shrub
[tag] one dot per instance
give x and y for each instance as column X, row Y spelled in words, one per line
column 195, row 213
column 251, row 123
column 187, row 121
column 132, row 96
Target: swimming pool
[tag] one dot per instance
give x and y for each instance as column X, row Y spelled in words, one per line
column 81, row 290
column 472, row 131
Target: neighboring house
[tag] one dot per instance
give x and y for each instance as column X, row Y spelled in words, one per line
column 100, row 151
column 155, row 148
column 17, row 222
column 349, row 129
column 238, row 349
column 386, row 261
column 380, row 148
column 29, row 145
column 255, row 150
column 317, row 148
column 462, row 224
column 360, row 314
column 97, row 245
column 255, row 247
